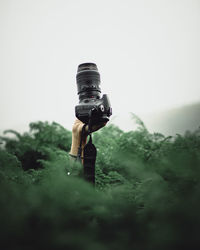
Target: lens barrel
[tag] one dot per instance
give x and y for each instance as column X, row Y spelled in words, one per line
column 88, row 81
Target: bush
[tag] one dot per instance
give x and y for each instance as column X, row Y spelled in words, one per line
column 146, row 196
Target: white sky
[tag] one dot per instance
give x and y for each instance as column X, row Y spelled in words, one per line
column 147, row 53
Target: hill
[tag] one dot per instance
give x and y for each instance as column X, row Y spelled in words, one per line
column 174, row 121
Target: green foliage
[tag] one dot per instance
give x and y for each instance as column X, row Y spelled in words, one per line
column 146, row 196
column 30, row 147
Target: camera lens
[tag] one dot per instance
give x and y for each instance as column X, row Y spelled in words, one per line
column 88, row 81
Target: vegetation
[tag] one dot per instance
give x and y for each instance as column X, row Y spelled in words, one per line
column 146, row 195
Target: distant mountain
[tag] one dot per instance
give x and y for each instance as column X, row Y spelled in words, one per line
column 173, row 121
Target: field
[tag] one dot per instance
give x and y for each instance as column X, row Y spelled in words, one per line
column 147, row 193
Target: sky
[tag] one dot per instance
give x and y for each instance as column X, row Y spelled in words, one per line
column 147, row 53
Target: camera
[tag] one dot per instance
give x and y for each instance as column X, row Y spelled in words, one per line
column 92, row 108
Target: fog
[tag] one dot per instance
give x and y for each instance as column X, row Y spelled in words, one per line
column 147, row 53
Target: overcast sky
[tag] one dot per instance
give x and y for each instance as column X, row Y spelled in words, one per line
column 147, row 52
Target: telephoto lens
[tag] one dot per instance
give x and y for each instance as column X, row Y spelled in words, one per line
column 88, row 81
column 91, row 106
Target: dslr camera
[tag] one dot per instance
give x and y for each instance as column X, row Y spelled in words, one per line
column 92, row 108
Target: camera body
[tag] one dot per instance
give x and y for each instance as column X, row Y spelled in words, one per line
column 98, row 110
column 91, row 108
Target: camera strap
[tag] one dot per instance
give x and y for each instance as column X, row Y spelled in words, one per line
column 89, row 154
column 89, row 159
